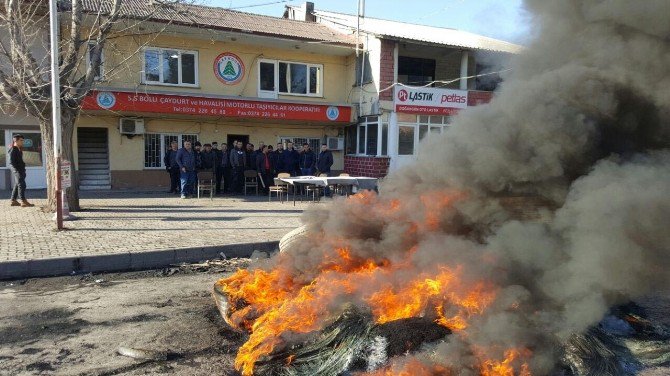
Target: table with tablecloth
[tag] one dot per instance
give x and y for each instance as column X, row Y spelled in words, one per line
column 359, row 182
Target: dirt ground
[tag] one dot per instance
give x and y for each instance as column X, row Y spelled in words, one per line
column 74, row 325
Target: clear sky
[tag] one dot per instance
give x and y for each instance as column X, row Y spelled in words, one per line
column 502, row 19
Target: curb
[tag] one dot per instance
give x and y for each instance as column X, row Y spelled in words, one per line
column 125, row 261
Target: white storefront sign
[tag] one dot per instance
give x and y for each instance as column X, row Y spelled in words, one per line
column 429, row 101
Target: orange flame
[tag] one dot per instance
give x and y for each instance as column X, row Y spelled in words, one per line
column 270, row 304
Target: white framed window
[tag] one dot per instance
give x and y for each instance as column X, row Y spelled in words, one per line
column 370, row 137
column 172, row 67
column 314, row 142
column 100, row 71
column 157, row 144
column 410, row 134
column 289, row 78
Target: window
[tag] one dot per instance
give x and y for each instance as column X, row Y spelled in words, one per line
column 488, row 81
column 99, row 71
column 428, row 126
column 170, row 67
column 280, row 77
column 314, row 143
column 367, row 136
column 415, row 71
column 364, row 68
column 156, row 145
column 406, row 140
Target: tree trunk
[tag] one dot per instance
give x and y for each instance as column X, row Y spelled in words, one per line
column 68, row 117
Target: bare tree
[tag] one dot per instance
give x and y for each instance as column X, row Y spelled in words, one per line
column 24, row 61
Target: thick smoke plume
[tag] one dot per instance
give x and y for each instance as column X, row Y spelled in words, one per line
column 581, row 127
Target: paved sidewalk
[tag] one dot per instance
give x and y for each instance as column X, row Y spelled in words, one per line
column 132, row 224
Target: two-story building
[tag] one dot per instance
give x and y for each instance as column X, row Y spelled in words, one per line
column 209, row 74
column 409, row 80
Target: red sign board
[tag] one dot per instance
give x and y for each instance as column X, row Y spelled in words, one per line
column 218, row 107
column 426, row 110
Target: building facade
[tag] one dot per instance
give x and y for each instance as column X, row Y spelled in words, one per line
column 409, row 81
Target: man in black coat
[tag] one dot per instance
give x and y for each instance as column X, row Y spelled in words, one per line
column 18, row 168
column 324, row 163
column 219, row 172
column 172, row 167
column 265, row 169
column 225, row 169
column 291, row 159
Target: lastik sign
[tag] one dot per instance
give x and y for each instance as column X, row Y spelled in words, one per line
column 219, row 107
column 429, row 101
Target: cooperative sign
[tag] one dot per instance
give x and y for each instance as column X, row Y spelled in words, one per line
column 429, row 101
column 219, row 107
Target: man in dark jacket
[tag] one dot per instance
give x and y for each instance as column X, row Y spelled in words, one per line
column 291, row 160
column 265, row 169
column 225, row 169
column 307, row 160
column 237, row 163
column 171, row 166
column 324, row 163
column 250, row 157
column 18, row 168
column 186, row 160
column 218, row 170
column 208, row 158
column 197, row 150
column 278, row 157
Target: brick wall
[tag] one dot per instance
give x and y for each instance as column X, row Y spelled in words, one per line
column 374, row 167
column 387, row 69
column 479, row 97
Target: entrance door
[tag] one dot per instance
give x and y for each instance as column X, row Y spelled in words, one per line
column 33, row 155
column 238, row 137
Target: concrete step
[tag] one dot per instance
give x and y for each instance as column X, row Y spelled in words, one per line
column 89, row 172
column 92, row 150
column 92, row 155
column 91, row 144
column 86, row 166
column 94, row 182
column 94, row 187
column 84, row 161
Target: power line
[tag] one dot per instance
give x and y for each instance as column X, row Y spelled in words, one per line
column 261, row 5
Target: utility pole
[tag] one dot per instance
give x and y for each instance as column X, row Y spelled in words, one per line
column 55, row 109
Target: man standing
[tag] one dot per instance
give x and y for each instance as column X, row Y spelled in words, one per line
column 18, row 168
column 208, row 158
column 217, row 168
column 260, row 147
column 250, row 157
column 323, row 164
column 170, row 162
column 224, row 168
column 237, row 163
column 307, row 160
column 265, row 169
column 279, row 158
column 291, row 159
column 186, row 161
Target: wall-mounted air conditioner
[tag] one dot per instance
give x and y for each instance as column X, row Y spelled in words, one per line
column 131, row 126
column 335, row 143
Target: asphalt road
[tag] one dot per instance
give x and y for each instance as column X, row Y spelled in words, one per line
column 74, row 325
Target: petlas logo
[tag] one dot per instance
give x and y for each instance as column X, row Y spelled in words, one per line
column 426, row 96
column 453, row 98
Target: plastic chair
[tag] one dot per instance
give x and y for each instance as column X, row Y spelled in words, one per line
column 280, row 188
column 250, row 180
column 315, row 190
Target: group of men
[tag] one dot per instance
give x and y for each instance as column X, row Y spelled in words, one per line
column 229, row 165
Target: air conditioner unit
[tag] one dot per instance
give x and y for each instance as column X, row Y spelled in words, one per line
column 335, row 143
column 131, row 126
